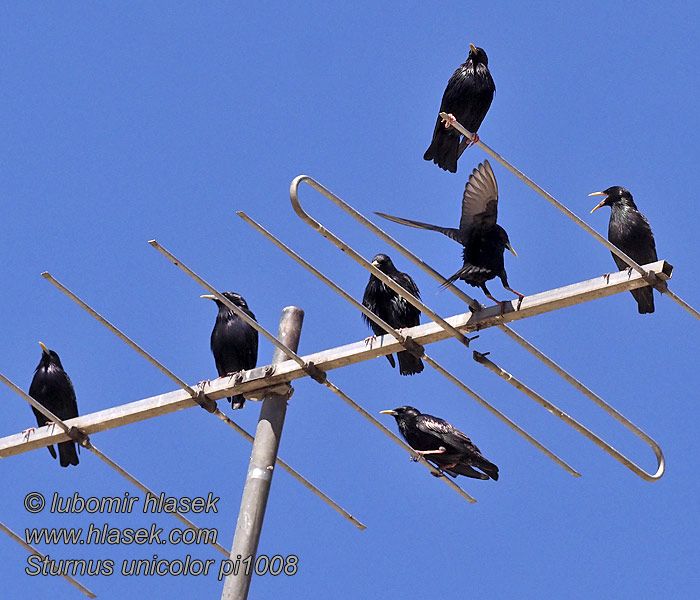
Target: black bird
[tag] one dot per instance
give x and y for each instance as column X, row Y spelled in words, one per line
column 393, row 308
column 234, row 343
column 629, row 230
column 467, row 98
column 442, row 444
column 484, row 241
column 52, row 388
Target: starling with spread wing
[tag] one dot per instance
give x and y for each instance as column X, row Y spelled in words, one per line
column 484, row 241
column 52, row 388
column 393, row 308
column 442, row 444
column 467, row 99
column 234, row 343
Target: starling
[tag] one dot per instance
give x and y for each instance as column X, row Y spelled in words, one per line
column 467, row 98
column 484, row 241
column 629, row 230
column 234, row 343
column 52, row 388
column 442, row 444
column 393, row 308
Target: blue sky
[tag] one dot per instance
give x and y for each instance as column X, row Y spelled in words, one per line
column 123, row 123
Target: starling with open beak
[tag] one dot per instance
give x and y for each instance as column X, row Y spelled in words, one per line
column 629, row 230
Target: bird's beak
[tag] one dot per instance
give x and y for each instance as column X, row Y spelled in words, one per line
column 509, row 247
column 602, row 202
column 375, row 263
column 472, row 47
column 209, row 296
column 44, row 349
column 387, row 412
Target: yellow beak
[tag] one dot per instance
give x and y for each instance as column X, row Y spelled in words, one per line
column 602, row 202
column 472, row 47
column 44, row 349
column 387, row 412
column 209, row 296
column 509, row 247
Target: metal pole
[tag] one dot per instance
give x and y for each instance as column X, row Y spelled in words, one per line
column 260, row 470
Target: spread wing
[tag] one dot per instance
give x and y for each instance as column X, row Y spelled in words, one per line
column 480, row 200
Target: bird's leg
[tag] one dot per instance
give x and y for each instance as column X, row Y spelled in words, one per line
column 629, row 272
column 502, row 305
column 369, row 340
column 518, row 294
column 606, row 276
column 27, row 431
column 450, row 119
column 422, row 453
column 474, row 140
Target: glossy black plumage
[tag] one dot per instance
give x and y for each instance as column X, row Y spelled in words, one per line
column 234, row 343
column 425, row 434
column 630, row 231
column 393, row 308
column 467, row 97
column 484, row 241
column 53, row 389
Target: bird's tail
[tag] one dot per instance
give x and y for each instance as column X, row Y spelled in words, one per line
column 487, row 467
column 444, row 147
column 392, row 362
column 645, row 299
column 469, row 273
column 67, row 454
column 237, row 401
column 408, row 363
column 467, row 471
column 52, row 451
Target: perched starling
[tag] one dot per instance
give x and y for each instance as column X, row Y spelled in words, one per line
column 52, row 388
column 441, row 443
column 629, row 230
column 467, row 98
column 234, row 343
column 393, row 308
column 484, row 241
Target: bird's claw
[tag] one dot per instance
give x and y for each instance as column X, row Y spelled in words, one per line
column 370, row 339
column 27, row 431
column 474, row 140
column 606, row 276
column 450, row 119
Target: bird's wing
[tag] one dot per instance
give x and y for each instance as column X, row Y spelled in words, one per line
column 407, row 314
column 448, row 231
column 68, row 403
column 447, row 433
column 369, row 301
column 251, row 345
column 480, row 199
column 406, row 282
